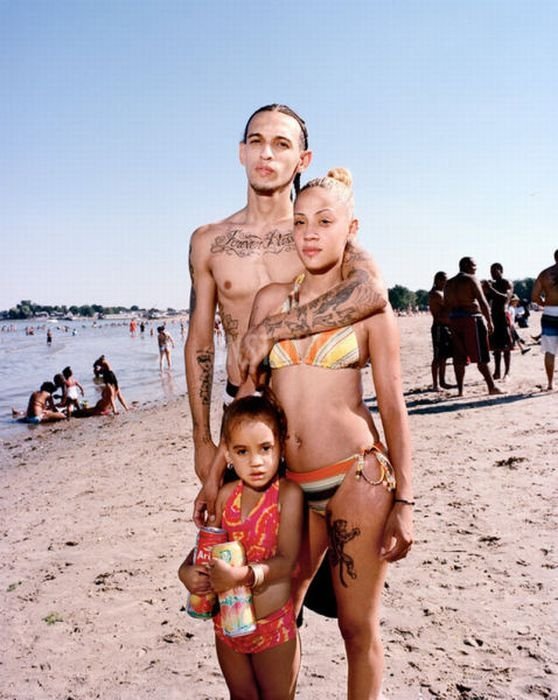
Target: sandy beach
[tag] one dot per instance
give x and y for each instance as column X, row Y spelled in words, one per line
column 96, row 517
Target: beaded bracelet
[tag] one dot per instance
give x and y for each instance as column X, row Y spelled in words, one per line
column 404, row 501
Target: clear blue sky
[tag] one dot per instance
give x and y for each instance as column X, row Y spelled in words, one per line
column 120, row 122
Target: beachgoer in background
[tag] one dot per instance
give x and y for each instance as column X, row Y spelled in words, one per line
column 106, row 404
column 441, row 334
column 466, row 305
column 133, row 326
column 49, row 337
column 498, row 294
column 545, row 294
column 41, row 408
column 263, row 511
column 73, row 387
column 101, row 365
column 166, row 342
column 114, row 382
column 142, row 327
column 513, row 315
column 333, row 449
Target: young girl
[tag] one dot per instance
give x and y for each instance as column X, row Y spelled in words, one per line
column 263, row 511
column 72, row 389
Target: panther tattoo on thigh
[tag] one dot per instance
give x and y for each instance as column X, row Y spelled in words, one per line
column 339, row 535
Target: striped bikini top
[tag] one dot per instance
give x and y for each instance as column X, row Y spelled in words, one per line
column 259, row 530
column 333, row 349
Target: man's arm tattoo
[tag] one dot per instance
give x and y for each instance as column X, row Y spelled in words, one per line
column 338, row 307
column 205, row 359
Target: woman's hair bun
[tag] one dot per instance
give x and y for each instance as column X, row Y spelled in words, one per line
column 341, row 175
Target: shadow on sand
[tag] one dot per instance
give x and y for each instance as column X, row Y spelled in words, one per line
column 455, row 403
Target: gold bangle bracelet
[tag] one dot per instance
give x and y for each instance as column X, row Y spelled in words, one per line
column 259, row 574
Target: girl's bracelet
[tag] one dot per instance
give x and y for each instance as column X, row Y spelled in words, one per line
column 404, row 501
column 258, row 573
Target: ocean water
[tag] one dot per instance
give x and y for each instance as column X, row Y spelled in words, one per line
column 26, row 361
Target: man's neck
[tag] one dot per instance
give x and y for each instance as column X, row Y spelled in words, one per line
column 262, row 209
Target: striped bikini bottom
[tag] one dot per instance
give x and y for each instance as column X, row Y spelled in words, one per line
column 320, row 485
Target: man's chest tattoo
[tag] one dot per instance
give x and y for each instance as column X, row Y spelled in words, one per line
column 242, row 244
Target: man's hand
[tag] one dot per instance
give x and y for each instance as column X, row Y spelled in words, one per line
column 398, row 533
column 255, row 346
column 204, row 454
column 204, row 505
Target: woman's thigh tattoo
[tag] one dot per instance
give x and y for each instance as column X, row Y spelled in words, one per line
column 339, row 535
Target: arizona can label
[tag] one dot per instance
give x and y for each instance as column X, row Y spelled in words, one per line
column 205, row 606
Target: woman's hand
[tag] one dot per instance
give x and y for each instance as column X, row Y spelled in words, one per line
column 398, row 533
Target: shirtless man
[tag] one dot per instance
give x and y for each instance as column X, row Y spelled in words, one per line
column 545, row 294
column 232, row 259
column 466, row 305
column 441, row 335
column 41, row 408
column 499, row 293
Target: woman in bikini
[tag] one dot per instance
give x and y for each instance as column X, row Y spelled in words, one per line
column 358, row 489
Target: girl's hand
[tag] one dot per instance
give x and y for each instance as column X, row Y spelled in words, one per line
column 195, row 578
column 398, row 533
column 223, row 576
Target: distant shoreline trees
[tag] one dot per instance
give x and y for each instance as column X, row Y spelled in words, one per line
column 401, row 298
column 26, row 309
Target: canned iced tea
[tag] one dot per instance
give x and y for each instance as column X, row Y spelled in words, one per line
column 237, row 608
column 205, row 606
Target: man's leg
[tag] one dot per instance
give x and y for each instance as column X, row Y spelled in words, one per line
column 459, row 369
column 549, row 367
column 507, row 362
column 483, row 369
column 497, row 363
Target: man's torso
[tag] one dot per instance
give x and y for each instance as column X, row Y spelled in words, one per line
column 243, row 259
column 460, row 294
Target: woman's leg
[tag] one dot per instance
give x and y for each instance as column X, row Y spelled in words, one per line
column 238, row 672
column 277, row 670
column 356, row 519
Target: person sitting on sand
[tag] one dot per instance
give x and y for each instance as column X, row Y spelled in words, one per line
column 106, row 404
column 114, row 383
column 41, row 408
column 100, row 365
column 72, row 388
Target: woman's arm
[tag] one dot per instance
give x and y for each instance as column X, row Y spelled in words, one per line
column 386, row 373
column 360, row 294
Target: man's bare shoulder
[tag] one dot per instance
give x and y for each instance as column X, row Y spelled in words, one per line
column 208, row 232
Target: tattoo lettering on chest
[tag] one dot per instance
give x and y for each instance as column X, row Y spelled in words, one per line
column 242, row 243
column 339, row 535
